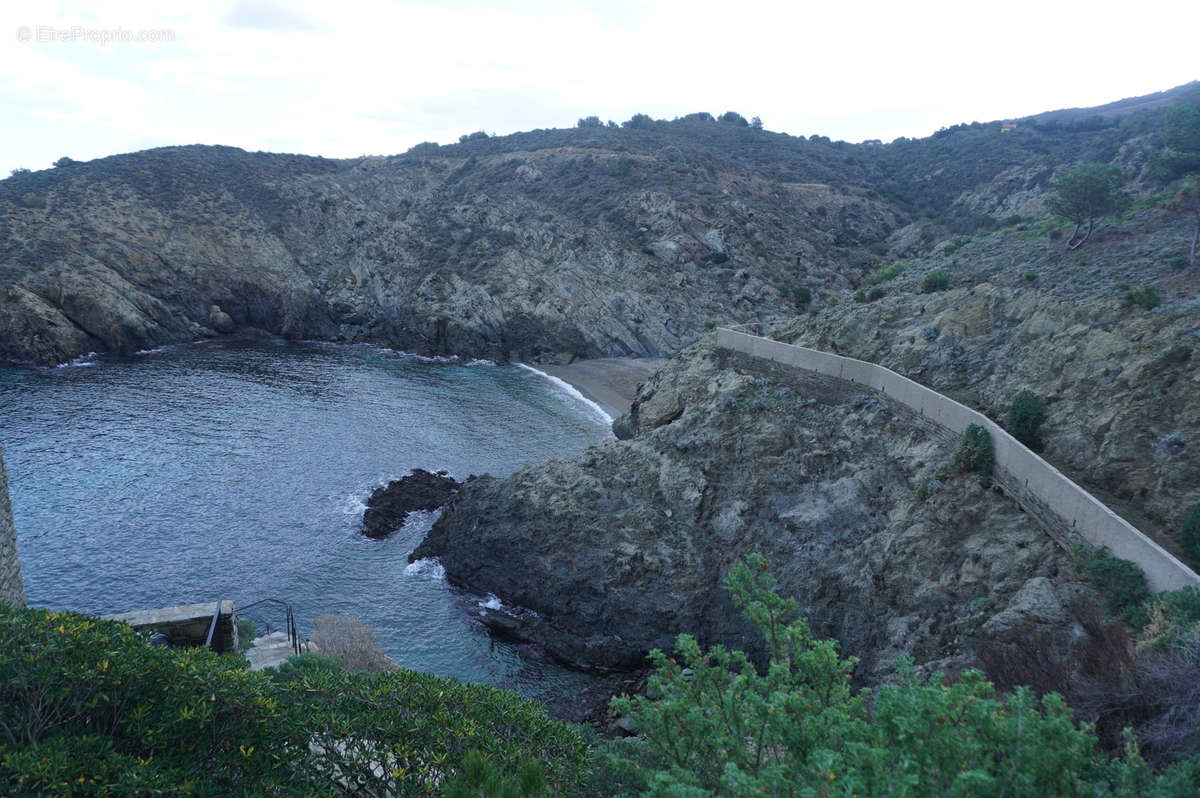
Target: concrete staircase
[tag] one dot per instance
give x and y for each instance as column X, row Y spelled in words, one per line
column 269, row 651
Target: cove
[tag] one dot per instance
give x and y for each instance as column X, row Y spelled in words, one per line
column 235, row 470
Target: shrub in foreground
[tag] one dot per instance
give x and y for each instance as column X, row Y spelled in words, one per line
column 712, row 724
column 885, row 273
column 936, row 280
column 1146, row 297
column 87, row 707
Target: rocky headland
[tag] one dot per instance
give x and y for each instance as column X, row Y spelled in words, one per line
column 615, row 551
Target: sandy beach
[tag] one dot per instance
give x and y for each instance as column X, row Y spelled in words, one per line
column 610, row 382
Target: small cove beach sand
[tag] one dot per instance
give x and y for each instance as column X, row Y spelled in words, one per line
column 610, row 382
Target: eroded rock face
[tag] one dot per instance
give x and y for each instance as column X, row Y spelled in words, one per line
column 624, row 546
column 530, row 252
column 1122, row 387
column 389, row 506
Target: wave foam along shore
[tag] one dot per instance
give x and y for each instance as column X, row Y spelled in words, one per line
column 608, row 384
column 602, row 414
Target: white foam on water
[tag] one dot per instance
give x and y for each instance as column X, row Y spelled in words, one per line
column 82, row 360
column 574, row 393
column 429, row 568
column 492, row 602
column 355, row 504
column 155, row 350
column 400, row 353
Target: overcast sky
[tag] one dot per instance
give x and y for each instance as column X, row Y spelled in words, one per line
column 346, row 77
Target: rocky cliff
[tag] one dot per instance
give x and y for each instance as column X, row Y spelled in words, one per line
column 550, row 245
column 549, row 253
column 1121, row 381
column 613, row 552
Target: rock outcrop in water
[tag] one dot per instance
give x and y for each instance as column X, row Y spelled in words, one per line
column 615, row 551
column 389, row 506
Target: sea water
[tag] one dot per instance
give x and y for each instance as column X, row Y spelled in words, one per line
column 240, row 471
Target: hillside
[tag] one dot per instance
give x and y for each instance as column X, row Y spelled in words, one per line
column 716, row 461
column 547, row 245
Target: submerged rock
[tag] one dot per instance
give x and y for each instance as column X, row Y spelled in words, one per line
column 389, row 506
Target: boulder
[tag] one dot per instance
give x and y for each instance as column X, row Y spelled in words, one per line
column 221, row 321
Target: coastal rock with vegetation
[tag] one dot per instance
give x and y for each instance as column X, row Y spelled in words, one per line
column 601, row 240
column 613, row 552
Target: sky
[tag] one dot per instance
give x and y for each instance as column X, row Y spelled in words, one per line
column 343, row 78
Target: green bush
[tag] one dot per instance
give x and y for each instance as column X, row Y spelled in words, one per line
column 713, row 724
column 886, row 273
column 1146, row 297
column 478, row 778
column 936, row 280
column 78, row 691
column 1120, row 581
column 297, row 666
column 1025, row 419
column 1173, row 617
column 246, row 632
column 88, row 707
column 956, row 245
column 975, row 453
column 620, row 166
column 1189, row 533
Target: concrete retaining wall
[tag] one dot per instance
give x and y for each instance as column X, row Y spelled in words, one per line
column 12, row 587
column 1067, row 511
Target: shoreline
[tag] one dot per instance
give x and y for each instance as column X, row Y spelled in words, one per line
column 609, row 382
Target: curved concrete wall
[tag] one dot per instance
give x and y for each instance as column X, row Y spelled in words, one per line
column 1058, row 502
column 12, row 588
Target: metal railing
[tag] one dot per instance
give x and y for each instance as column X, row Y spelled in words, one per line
column 289, row 621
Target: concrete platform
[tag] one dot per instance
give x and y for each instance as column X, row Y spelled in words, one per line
column 187, row 624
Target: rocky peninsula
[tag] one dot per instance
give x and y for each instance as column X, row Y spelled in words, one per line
column 611, row 553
